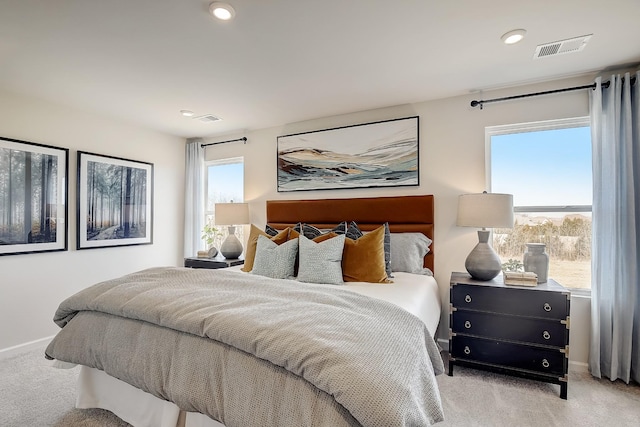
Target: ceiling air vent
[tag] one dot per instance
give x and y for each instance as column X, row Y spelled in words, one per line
column 208, row 118
column 575, row 44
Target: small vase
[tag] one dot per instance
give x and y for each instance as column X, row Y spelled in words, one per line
column 536, row 260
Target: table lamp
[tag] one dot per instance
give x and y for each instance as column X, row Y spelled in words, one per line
column 484, row 210
column 231, row 214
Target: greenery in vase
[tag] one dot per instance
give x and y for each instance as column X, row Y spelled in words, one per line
column 513, row 265
column 210, row 235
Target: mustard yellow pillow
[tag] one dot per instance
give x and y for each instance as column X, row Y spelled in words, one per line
column 250, row 251
column 363, row 259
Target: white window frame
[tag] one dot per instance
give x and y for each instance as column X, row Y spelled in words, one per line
column 240, row 232
column 218, row 162
column 491, row 131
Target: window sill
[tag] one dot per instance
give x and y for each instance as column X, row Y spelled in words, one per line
column 581, row 293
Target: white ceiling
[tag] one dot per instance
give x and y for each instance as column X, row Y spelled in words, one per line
column 284, row 61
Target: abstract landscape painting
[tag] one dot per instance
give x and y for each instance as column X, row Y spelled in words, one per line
column 115, row 201
column 380, row 154
column 33, row 197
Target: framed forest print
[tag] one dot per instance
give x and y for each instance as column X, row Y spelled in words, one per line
column 379, row 154
column 33, row 197
column 114, row 202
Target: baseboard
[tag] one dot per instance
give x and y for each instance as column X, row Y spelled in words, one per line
column 578, row 366
column 443, row 343
column 6, row 353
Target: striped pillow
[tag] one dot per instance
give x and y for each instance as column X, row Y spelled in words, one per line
column 309, row 231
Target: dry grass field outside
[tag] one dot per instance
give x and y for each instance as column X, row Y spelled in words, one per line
column 571, row 274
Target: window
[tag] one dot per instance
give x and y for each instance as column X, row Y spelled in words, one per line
column 547, row 168
column 224, row 184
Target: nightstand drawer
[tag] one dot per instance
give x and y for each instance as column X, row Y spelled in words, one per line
column 518, row 356
column 513, row 328
column 524, row 302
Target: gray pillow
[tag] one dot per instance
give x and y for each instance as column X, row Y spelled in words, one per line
column 321, row 262
column 408, row 251
column 275, row 261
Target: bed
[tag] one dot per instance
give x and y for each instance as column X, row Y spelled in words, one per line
column 301, row 388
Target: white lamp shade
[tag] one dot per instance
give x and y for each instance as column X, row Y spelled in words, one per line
column 485, row 210
column 231, row 213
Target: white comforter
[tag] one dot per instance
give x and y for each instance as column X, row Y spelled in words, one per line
column 380, row 323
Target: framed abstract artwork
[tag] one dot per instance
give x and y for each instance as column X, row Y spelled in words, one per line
column 378, row 154
column 33, row 197
column 114, row 202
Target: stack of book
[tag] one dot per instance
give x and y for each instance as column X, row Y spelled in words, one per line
column 519, row 278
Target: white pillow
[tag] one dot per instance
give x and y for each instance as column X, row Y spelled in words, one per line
column 321, row 262
column 273, row 260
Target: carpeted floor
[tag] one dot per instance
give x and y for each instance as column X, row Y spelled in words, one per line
column 32, row 393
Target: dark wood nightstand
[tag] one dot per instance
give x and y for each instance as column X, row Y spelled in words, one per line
column 212, row 263
column 520, row 331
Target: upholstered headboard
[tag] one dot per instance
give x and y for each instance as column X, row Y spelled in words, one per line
column 403, row 213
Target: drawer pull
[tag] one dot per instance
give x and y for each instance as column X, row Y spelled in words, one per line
column 467, row 350
column 546, row 335
column 467, row 324
column 467, row 298
column 547, row 307
column 545, row 363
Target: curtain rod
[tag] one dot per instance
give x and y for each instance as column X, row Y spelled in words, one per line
column 605, row 85
column 244, row 138
column 481, row 103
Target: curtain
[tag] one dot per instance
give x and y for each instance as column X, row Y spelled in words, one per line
column 194, row 198
column 615, row 292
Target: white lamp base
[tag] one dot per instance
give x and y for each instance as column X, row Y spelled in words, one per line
column 231, row 247
column 483, row 263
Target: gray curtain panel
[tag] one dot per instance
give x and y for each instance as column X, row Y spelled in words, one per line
column 615, row 292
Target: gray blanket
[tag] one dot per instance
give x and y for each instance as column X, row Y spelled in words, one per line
column 324, row 356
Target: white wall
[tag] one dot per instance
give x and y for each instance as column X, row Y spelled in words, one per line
column 32, row 285
column 452, row 162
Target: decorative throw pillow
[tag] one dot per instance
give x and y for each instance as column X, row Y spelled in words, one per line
column 408, row 251
column 250, row 250
column 273, row 260
column 270, row 230
column 309, row 230
column 321, row 262
column 353, row 232
column 363, row 259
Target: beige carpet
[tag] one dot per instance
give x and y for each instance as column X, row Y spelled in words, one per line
column 32, row 393
column 477, row 398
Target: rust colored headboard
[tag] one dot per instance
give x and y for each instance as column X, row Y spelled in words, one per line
column 403, row 213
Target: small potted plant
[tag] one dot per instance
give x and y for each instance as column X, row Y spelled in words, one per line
column 513, row 265
column 210, row 234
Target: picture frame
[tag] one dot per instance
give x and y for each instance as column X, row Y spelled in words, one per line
column 377, row 154
column 114, row 201
column 39, row 174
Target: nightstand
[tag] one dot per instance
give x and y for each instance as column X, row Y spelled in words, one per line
column 212, row 263
column 520, row 331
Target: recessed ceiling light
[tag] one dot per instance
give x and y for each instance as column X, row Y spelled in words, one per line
column 222, row 11
column 513, row 36
column 186, row 113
